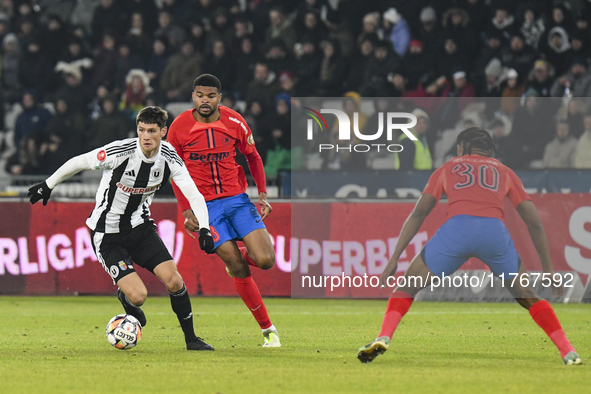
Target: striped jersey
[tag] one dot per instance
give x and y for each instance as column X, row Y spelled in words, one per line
column 129, row 182
column 209, row 151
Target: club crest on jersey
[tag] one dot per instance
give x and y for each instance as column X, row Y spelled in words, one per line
column 226, row 141
column 156, row 173
column 101, row 156
column 250, row 140
column 113, row 271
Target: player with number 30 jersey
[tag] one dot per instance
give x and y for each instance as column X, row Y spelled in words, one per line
column 487, row 181
column 476, row 186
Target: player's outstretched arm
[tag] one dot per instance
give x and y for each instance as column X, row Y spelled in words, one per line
column 410, row 228
column 66, row 171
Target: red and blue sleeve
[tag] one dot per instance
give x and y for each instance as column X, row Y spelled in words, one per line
column 173, row 139
column 247, row 147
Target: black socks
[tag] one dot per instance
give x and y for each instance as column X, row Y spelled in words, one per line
column 181, row 305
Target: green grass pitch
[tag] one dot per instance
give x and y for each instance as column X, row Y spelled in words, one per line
column 58, row 345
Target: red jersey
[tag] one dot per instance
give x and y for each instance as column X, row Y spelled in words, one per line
column 477, row 186
column 209, row 152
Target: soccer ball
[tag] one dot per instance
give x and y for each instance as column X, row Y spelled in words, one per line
column 124, row 331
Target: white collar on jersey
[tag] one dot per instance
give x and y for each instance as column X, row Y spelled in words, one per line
column 141, row 154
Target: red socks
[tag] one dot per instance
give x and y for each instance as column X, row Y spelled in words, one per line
column 544, row 316
column 542, row 313
column 249, row 292
column 398, row 305
column 246, row 257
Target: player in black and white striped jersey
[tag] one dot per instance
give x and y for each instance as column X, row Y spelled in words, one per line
column 123, row 235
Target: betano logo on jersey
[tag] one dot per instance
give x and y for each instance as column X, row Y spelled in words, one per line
column 137, row 190
column 209, row 157
column 344, row 124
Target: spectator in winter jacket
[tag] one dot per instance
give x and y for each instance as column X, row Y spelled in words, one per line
column 396, row 30
column 583, row 151
column 560, row 152
column 576, row 82
column 33, row 119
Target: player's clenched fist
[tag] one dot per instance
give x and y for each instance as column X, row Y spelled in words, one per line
column 191, row 222
column 38, row 192
column 206, row 240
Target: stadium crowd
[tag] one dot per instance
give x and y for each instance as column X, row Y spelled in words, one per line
column 99, row 61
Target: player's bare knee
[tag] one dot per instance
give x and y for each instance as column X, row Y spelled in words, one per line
column 238, row 270
column 175, row 282
column 267, row 261
column 138, row 297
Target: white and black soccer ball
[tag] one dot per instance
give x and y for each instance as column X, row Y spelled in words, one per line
column 124, row 331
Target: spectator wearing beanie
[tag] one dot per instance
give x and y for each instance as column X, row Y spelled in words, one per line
column 396, row 30
column 416, row 64
column 495, row 76
column 541, row 78
column 512, row 92
column 430, row 33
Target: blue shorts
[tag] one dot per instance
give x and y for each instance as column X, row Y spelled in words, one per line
column 232, row 218
column 465, row 236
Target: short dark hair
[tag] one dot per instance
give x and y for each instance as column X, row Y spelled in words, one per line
column 207, row 80
column 152, row 115
column 476, row 138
